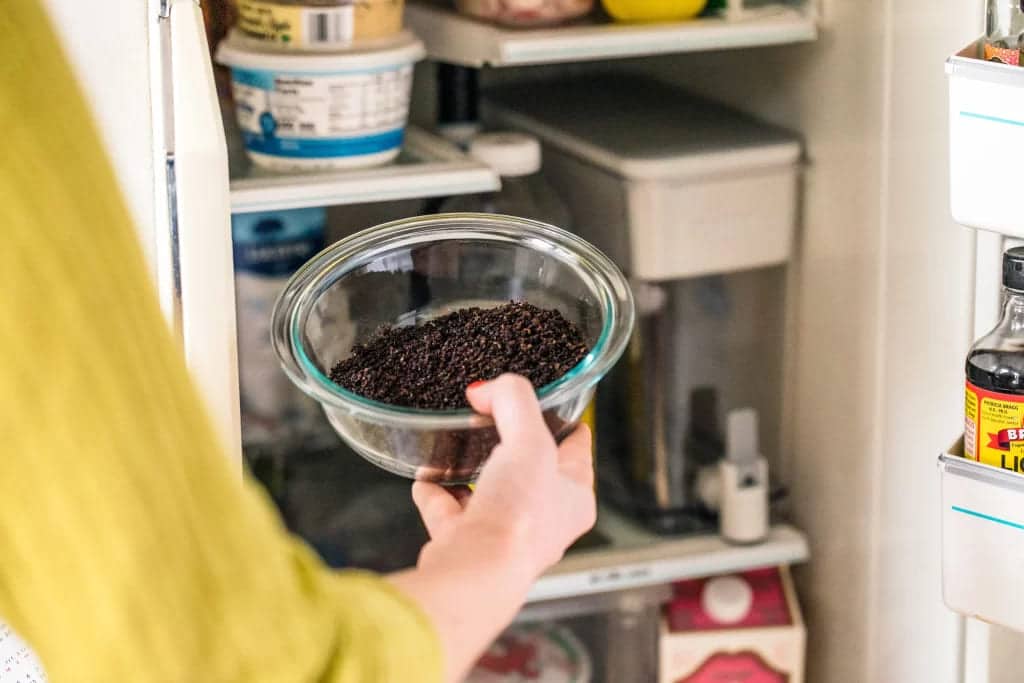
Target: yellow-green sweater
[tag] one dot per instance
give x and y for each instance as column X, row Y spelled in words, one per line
column 129, row 548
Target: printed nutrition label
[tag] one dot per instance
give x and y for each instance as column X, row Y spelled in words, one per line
column 326, row 105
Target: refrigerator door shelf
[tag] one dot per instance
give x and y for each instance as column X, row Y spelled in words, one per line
column 982, row 539
column 428, row 167
column 986, row 136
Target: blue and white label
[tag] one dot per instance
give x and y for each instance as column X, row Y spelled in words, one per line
column 322, row 115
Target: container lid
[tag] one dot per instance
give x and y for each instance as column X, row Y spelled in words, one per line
column 536, row 653
column 509, row 154
column 242, row 53
column 640, row 128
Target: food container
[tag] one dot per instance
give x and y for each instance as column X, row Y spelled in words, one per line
column 703, row 190
column 740, row 627
column 318, row 24
column 412, row 270
column 539, row 653
column 653, row 10
column 314, row 111
column 268, row 248
column 525, row 13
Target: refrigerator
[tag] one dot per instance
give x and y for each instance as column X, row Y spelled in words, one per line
column 883, row 291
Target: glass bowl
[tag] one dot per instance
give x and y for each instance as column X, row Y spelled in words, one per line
column 412, row 270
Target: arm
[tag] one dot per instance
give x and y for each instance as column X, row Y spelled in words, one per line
column 532, row 500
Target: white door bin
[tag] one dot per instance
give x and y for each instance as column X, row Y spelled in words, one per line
column 986, row 124
column 982, row 540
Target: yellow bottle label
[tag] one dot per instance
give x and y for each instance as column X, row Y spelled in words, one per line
column 994, row 428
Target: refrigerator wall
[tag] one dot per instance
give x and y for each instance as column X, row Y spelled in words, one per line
column 883, row 299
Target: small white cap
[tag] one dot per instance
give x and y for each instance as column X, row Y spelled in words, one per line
column 727, row 599
column 509, row 154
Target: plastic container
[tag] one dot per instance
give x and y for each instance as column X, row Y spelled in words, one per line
column 309, row 111
column 982, row 527
column 668, row 185
column 525, row 13
column 985, row 124
column 419, row 268
column 653, row 10
column 318, row 24
column 516, row 157
column 540, row 653
column 268, row 248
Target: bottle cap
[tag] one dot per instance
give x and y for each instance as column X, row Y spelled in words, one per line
column 510, row 154
column 1013, row 269
column 727, row 599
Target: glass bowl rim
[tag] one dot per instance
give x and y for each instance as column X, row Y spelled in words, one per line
column 300, row 294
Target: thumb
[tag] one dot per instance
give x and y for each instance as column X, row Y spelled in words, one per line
column 512, row 402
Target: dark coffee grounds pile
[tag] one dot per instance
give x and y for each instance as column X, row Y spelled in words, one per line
column 429, row 366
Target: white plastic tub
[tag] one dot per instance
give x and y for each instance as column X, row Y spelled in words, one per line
column 668, row 185
column 982, row 540
column 986, row 137
column 309, row 111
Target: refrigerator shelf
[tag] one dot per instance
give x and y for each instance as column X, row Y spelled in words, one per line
column 636, row 558
column 427, row 167
column 457, row 39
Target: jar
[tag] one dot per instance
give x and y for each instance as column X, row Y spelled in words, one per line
column 319, row 24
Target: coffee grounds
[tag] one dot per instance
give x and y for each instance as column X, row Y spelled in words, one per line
column 429, row 366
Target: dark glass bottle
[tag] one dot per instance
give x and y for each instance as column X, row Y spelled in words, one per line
column 994, row 406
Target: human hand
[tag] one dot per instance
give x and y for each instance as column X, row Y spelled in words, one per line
column 533, row 497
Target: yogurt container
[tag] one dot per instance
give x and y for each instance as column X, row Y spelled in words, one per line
column 302, row 111
column 319, row 24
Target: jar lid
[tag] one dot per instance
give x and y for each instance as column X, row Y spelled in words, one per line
column 239, row 52
column 509, row 154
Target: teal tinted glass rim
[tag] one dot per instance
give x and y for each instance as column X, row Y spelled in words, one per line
column 582, row 377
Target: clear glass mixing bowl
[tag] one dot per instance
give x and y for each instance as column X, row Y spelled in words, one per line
column 409, row 271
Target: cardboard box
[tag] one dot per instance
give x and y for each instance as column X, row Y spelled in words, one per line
column 755, row 635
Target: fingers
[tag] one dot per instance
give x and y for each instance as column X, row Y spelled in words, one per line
column 512, row 402
column 437, row 506
column 575, row 456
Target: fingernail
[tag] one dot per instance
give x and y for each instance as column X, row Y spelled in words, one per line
column 476, row 385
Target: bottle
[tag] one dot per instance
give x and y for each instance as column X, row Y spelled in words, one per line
column 1004, row 31
column 458, row 95
column 516, row 157
column 744, row 481
column 994, row 400
column 268, row 248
